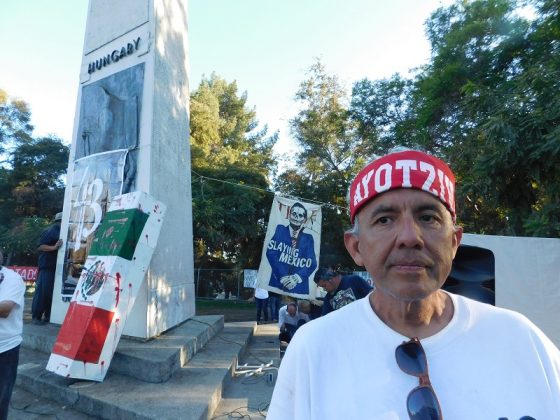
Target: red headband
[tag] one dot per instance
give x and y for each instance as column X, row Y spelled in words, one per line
column 407, row 169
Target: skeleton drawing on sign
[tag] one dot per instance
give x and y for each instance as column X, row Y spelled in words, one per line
column 291, row 253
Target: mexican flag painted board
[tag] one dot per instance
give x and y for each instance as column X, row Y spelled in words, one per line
column 115, row 267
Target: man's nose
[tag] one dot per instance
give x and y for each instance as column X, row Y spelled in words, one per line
column 409, row 233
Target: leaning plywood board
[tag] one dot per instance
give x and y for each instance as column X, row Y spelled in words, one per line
column 108, row 285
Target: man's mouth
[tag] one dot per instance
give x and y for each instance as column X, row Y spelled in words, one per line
column 409, row 265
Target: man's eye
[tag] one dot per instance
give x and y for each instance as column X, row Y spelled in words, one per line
column 428, row 218
column 382, row 220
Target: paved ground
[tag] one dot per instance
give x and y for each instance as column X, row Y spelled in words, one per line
column 244, row 396
column 249, row 396
column 27, row 406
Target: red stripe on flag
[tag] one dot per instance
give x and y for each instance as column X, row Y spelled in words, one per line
column 83, row 333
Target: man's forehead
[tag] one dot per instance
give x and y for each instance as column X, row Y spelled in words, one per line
column 409, row 169
column 400, row 199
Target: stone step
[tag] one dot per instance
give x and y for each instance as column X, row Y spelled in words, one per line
column 192, row 392
column 151, row 361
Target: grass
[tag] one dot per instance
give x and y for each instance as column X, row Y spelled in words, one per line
column 233, row 311
column 223, row 304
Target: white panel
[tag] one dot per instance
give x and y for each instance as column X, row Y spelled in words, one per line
column 527, row 277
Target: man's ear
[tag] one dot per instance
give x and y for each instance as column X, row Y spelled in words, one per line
column 351, row 242
column 457, row 236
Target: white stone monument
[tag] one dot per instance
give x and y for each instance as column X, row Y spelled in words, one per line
column 131, row 133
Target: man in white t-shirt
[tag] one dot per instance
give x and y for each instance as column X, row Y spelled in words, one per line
column 290, row 318
column 12, row 289
column 370, row 358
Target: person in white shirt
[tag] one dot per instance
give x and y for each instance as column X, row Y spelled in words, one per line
column 12, row 289
column 370, row 358
column 290, row 318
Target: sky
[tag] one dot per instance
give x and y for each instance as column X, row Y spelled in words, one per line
column 266, row 46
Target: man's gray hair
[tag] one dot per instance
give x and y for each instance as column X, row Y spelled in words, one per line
column 355, row 228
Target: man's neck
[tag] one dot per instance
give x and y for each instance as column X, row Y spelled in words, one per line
column 294, row 231
column 419, row 318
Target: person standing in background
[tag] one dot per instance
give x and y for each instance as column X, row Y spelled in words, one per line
column 12, row 290
column 48, row 246
column 274, row 300
column 261, row 298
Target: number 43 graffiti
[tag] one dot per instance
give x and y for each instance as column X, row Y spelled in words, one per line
column 88, row 207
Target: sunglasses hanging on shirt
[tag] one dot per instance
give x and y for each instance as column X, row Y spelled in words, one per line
column 422, row 402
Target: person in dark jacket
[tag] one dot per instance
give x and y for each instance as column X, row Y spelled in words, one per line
column 48, row 246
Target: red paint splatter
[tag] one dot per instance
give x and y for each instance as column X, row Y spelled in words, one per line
column 118, row 288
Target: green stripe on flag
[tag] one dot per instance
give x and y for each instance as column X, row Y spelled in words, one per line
column 118, row 233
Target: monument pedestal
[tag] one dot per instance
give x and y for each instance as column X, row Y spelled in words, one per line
column 131, row 133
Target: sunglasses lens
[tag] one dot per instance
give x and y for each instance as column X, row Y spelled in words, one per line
column 411, row 358
column 422, row 404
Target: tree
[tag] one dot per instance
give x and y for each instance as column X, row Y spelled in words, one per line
column 31, row 181
column 488, row 102
column 31, row 193
column 15, row 126
column 383, row 113
column 228, row 152
column 500, row 112
column 331, row 153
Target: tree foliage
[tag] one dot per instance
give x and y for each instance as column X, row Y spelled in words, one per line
column 15, row 122
column 228, row 149
column 489, row 103
column 31, row 181
column 331, row 152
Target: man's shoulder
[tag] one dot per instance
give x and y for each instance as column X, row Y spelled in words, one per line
column 281, row 227
column 49, row 233
column 487, row 314
column 306, row 235
column 10, row 274
column 12, row 280
column 353, row 279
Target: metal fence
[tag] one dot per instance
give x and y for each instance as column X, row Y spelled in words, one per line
column 221, row 283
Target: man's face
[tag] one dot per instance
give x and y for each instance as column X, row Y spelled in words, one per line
column 329, row 285
column 292, row 310
column 406, row 241
column 297, row 217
